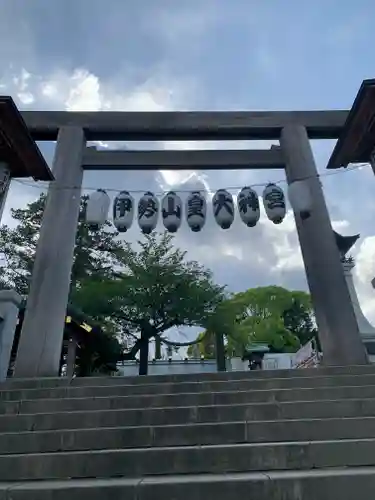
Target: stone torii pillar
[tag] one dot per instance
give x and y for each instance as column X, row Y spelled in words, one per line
column 337, row 326
column 43, row 327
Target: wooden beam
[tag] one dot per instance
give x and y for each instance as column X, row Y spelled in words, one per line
column 200, row 125
column 205, row 159
column 357, row 139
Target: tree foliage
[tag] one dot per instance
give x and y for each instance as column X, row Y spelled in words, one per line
column 272, row 315
column 155, row 287
column 222, row 320
column 206, row 346
column 95, row 252
column 260, row 319
column 299, row 319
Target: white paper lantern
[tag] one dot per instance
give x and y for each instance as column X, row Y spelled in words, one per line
column 97, row 208
column 148, row 211
column 223, row 207
column 300, row 198
column 171, row 210
column 248, row 206
column 274, row 203
column 123, row 211
column 196, row 209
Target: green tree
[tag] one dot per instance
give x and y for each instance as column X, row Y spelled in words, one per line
column 206, row 345
column 281, row 318
column 299, row 319
column 95, row 254
column 221, row 321
column 155, row 289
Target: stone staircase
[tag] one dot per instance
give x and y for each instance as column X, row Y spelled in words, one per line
column 281, row 435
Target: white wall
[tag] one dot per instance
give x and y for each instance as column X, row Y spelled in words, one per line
column 164, row 367
column 282, row 361
column 161, row 367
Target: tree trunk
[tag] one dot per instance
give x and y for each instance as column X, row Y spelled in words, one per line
column 157, row 347
column 220, row 352
column 143, row 352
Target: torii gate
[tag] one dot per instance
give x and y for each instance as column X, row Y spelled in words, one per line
column 42, row 333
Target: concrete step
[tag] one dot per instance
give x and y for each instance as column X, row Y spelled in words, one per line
column 345, row 484
column 16, row 383
column 188, row 399
column 122, row 389
column 188, row 435
column 188, row 460
column 188, row 415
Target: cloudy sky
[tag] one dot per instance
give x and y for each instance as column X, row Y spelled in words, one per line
column 203, row 55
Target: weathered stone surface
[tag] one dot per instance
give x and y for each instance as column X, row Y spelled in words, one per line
column 166, row 388
column 188, row 399
column 188, row 435
column 188, row 415
column 347, row 484
column 188, row 460
column 304, row 435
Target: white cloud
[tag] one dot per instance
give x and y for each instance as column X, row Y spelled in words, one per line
column 82, row 90
column 26, row 98
column 284, row 239
column 366, row 260
column 18, row 197
column 84, row 94
column 364, row 272
column 20, row 83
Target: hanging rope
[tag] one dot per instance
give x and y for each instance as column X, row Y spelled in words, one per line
column 42, row 186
